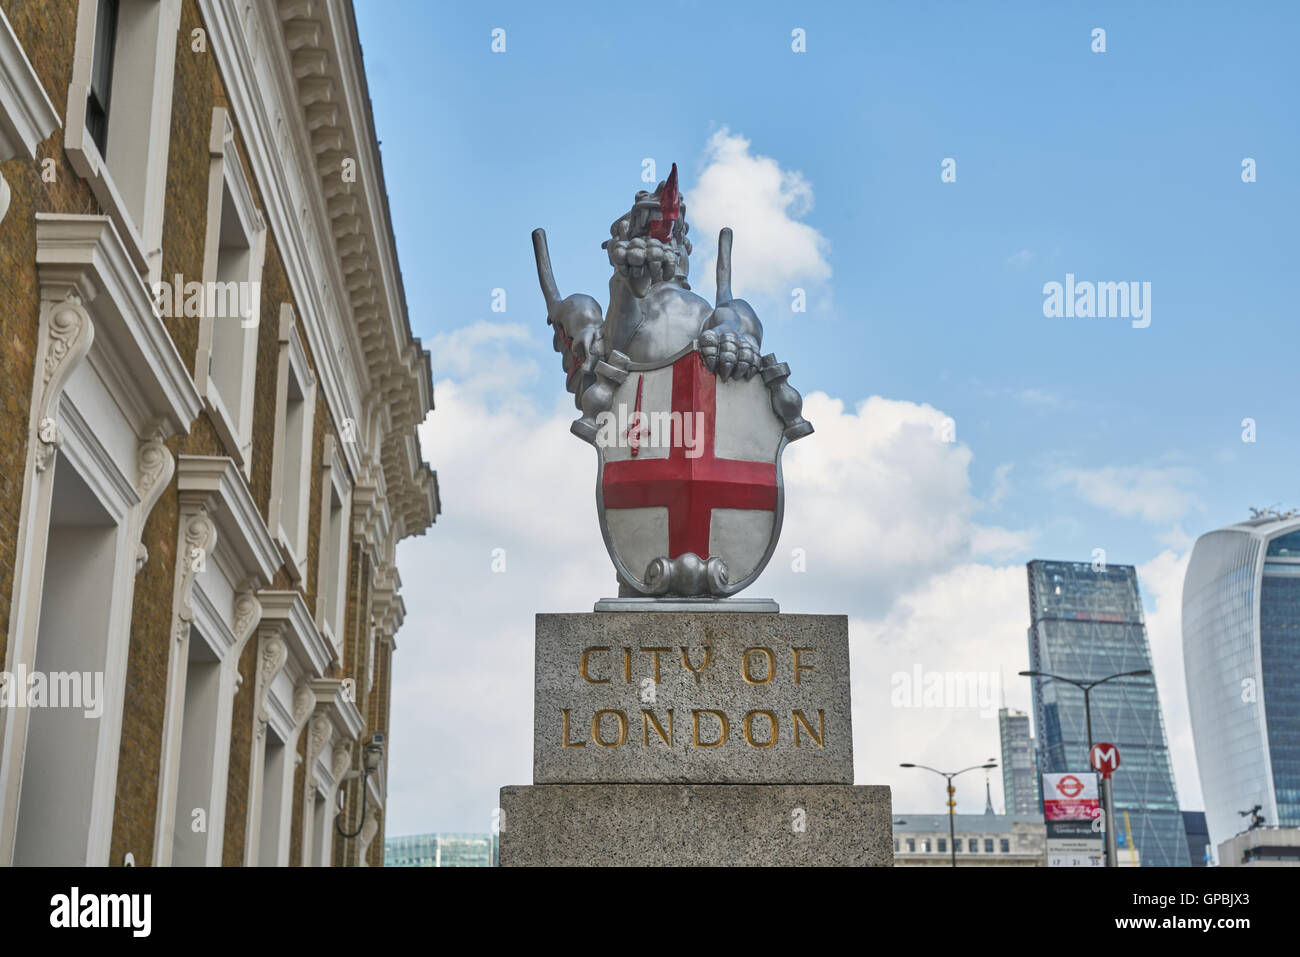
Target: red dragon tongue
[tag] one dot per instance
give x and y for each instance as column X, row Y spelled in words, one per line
column 670, row 204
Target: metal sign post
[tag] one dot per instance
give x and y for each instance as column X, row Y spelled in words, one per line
column 1104, row 759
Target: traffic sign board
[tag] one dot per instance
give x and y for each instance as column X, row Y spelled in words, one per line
column 1104, row 758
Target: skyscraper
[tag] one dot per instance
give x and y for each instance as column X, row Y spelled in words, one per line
column 1019, row 766
column 1087, row 624
column 1241, row 654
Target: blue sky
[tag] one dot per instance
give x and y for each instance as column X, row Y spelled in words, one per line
column 1115, row 166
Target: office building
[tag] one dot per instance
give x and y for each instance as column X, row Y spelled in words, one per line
column 1020, row 782
column 441, row 850
column 1241, row 656
column 1086, row 624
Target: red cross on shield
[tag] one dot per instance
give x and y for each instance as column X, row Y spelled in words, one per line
column 690, row 464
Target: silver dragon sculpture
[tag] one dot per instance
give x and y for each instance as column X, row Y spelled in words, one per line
column 653, row 314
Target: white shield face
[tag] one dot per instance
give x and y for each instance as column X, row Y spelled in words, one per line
column 690, row 464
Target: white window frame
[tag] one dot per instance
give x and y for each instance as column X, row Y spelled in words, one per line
column 141, row 230
column 232, row 414
column 114, row 386
column 335, row 550
column 292, row 363
column 216, row 595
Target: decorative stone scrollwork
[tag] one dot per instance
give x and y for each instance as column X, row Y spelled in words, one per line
column 68, row 337
column 319, row 734
column 155, row 466
column 341, row 759
column 272, row 658
column 303, row 701
column 197, row 542
column 368, row 832
column 246, row 614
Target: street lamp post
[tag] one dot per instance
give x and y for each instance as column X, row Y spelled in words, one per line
column 952, row 799
column 1087, row 686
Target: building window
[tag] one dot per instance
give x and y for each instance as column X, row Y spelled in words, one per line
column 911, row 845
column 943, row 845
column 973, row 845
column 1006, row 845
column 231, row 293
column 925, row 845
column 119, row 115
column 896, row 845
column 332, row 584
column 988, row 845
column 291, row 458
column 101, row 74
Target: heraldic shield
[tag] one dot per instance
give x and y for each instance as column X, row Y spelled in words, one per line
column 689, row 491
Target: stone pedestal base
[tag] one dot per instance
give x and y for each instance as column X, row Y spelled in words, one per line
column 639, row 825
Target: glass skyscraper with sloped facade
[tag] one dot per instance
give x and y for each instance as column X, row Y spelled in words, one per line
column 1241, row 655
column 1086, row 623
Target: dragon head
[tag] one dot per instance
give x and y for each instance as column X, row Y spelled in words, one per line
column 648, row 243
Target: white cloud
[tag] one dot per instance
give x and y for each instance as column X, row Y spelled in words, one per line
column 970, row 618
column 1154, row 494
column 1020, row 259
column 882, row 506
column 1161, row 580
column 773, row 251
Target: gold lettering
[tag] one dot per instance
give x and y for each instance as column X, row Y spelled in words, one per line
column 686, row 660
column 627, row 665
column 622, row 728
column 772, row 729
column 744, row 665
column 819, row 735
column 582, row 666
column 648, row 718
column 695, row 728
column 654, row 653
column 798, row 666
column 564, row 735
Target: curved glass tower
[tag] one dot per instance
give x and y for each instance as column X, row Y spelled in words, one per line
column 1241, row 654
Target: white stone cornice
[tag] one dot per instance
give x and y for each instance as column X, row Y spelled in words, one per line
column 27, row 116
column 217, row 481
column 306, row 644
column 297, row 88
column 334, row 700
column 85, row 255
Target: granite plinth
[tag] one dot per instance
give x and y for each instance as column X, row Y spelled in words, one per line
column 639, row 825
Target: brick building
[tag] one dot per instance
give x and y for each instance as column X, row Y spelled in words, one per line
column 208, row 448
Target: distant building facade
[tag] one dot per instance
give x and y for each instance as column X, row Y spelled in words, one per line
column 441, row 850
column 982, row 840
column 1241, row 656
column 1020, row 781
column 1086, row 622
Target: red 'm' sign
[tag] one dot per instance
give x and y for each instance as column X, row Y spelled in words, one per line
column 1104, row 758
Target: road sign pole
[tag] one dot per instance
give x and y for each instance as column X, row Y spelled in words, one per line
column 1112, row 858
